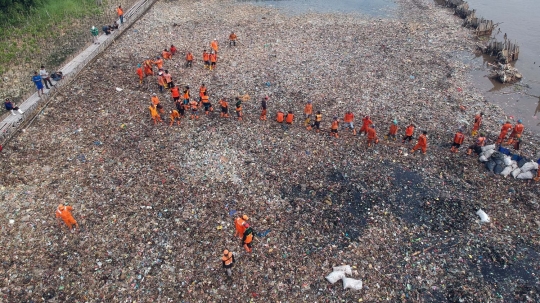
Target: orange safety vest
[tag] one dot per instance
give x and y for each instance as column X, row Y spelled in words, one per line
column 409, row 131
column 458, row 138
column 155, row 100
column 290, row 118
column 335, row 124
column 119, row 11
column 193, row 104
column 202, row 90
column 175, row 92
column 189, row 57
column 206, row 56
column 213, row 58
column 318, row 117
column 239, row 225
column 279, row 117
column 223, row 103
column 186, row 94
column 422, row 140
column 249, row 238
column 308, row 110
column 204, row 99
column 372, row 134
column 232, row 37
column 174, row 114
column 348, row 118
column 518, row 129
column 153, row 111
column 393, row 129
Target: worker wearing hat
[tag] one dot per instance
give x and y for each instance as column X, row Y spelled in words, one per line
column 393, row 130
column 458, row 140
column 477, row 123
column 95, row 32
column 518, row 130
column 64, row 213
column 214, row 45
column 239, row 225
column 228, row 261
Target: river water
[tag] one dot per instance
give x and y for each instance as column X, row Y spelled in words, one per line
column 517, row 19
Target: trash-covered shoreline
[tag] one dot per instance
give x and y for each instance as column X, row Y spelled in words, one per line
column 156, row 204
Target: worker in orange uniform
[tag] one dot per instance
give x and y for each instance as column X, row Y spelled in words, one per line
column 202, row 90
column 166, row 54
column 504, row 130
column 477, row 123
column 161, row 81
column 280, row 116
column 173, row 50
column 409, row 132
column 224, row 108
column 213, row 60
column 189, row 59
column 159, row 63
column 64, row 213
column 154, row 114
column 174, row 115
column 334, row 128
column 477, row 146
column 290, row 118
column 214, row 45
column 349, row 121
column 317, row 123
column 518, row 130
column 393, row 130
column 120, row 13
column 247, row 238
column 155, row 101
column 458, row 140
column 228, row 262
column 366, row 122
column 175, row 93
column 372, row 136
column 148, row 71
column 140, row 73
column 421, row 144
column 194, row 105
column 232, row 39
column 168, row 79
column 206, row 103
column 238, row 105
column 308, row 112
column 263, row 108
column 239, row 225
column 206, row 59
column 186, row 95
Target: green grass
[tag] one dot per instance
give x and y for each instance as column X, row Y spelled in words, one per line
column 23, row 33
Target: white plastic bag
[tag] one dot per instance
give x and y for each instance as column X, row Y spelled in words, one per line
column 529, row 166
column 484, row 218
column 507, row 170
column 516, row 172
column 344, row 268
column 488, row 153
column 525, row 176
column 488, row 147
column 483, row 158
column 352, row 283
column 335, row 276
column 514, row 164
column 507, row 161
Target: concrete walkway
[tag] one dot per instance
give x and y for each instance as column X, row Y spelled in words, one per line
column 11, row 123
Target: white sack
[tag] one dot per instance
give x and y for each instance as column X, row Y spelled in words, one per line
column 514, row 164
column 529, row 166
column 483, row 216
column 507, row 161
column 516, row 172
column 345, row 268
column 335, row 276
column 352, row 283
column 507, row 170
column 483, row 158
column 525, row 176
column 488, row 153
column 488, row 147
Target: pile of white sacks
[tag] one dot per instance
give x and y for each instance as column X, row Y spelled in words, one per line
column 339, row 273
column 502, row 164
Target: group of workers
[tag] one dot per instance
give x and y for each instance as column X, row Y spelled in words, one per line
column 243, row 231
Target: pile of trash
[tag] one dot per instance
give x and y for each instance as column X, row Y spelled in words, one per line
column 502, row 162
column 505, row 73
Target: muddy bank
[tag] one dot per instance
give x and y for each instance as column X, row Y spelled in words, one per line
column 156, row 203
